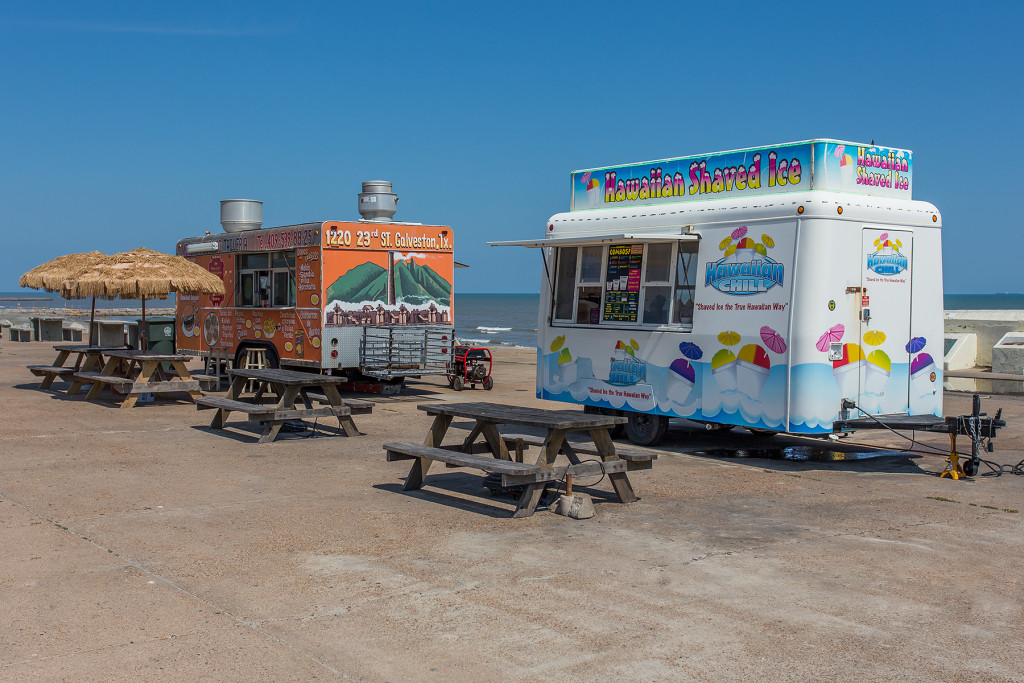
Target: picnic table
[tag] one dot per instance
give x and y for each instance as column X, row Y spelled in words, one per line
column 290, row 386
column 534, row 477
column 87, row 358
column 140, row 372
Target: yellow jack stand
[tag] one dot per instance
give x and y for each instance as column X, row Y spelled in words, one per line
column 953, row 468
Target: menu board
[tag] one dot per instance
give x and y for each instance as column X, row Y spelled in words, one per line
column 622, row 283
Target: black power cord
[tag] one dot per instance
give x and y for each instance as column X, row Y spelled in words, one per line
column 996, row 469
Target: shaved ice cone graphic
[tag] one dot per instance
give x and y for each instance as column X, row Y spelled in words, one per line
column 876, row 372
column 849, row 370
column 566, row 367
column 847, row 168
column 745, row 249
column 922, row 369
column 752, row 370
column 594, row 191
column 681, row 378
column 723, row 369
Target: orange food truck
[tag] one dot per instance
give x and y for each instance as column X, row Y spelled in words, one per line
column 372, row 299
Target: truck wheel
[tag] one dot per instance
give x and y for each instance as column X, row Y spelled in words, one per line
column 646, row 430
column 458, row 384
column 488, row 384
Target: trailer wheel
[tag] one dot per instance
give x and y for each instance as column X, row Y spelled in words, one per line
column 488, row 384
column 970, row 469
column 458, row 384
column 646, row 430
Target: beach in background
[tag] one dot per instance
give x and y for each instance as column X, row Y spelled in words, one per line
column 480, row 319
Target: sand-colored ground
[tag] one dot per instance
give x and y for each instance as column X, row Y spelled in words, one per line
column 140, row 545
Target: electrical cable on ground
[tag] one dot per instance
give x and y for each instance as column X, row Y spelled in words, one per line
column 997, row 469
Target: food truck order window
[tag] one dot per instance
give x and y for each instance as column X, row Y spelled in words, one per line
column 644, row 284
column 266, row 279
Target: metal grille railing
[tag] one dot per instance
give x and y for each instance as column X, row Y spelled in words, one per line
column 388, row 352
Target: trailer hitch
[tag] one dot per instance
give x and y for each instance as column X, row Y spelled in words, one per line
column 981, row 429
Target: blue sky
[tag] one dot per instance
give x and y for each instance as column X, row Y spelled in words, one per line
column 124, row 124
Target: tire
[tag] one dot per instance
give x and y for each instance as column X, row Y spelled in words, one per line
column 646, row 430
column 488, row 384
column 970, row 469
column 458, row 384
column 272, row 360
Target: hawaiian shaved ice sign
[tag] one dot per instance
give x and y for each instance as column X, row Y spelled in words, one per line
column 752, row 370
column 745, row 266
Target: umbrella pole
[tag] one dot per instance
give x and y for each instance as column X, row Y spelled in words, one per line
column 92, row 322
column 142, row 332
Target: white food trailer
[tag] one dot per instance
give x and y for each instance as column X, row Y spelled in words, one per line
column 781, row 289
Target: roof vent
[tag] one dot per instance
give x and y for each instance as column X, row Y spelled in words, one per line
column 241, row 214
column 377, row 202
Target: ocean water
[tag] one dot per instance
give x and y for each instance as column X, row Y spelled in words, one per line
column 497, row 319
column 31, row 298
column 486, row 319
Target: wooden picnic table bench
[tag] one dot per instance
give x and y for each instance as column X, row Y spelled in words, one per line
column 87, row 358
column 119, row 371
column 533, row 477
column 290, row 386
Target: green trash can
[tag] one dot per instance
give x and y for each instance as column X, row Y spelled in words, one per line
column 159, row 334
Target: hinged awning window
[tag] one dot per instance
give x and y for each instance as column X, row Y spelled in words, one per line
column 604, row 238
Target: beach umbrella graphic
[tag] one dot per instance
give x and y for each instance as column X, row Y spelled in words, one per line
column 874, row 337
column 916, row 344
column 729, row 338
column 834, row 334
column 691, row 351
column 725, row 243
column 773, row 340
column 739, row 232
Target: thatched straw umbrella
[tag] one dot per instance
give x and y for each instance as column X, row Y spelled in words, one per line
column 144, row 274
column 52, row 276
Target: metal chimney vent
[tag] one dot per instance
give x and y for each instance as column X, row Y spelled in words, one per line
column 241, row 214
column 377, row 202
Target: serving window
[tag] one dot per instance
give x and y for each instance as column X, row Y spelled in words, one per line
column 265, row 280
column 645, row 284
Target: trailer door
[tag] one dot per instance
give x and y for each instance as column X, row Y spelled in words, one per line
column 884, row 373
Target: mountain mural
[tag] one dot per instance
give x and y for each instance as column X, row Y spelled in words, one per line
column 414, row 284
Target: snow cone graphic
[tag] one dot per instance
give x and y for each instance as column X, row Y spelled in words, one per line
column 847, row 168
column 752, row 369
column 745, row 250
column 723, row 369
column 566, row 367
column 849, row 369
column 622, row 350
column 876, row 372
column 921, row 369
column 681, row 378
column 594, row 191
